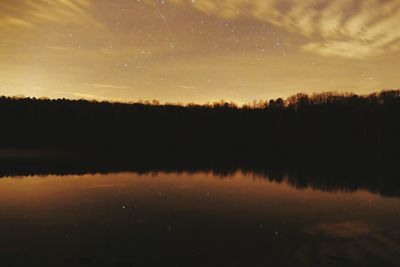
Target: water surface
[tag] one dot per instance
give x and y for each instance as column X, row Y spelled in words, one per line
column 200, row 219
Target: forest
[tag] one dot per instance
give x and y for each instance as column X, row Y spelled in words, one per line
column 325, row 128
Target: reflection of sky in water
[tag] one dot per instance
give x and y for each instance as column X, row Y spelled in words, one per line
column 192, row 219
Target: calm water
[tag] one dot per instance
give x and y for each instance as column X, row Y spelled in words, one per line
column 191, row 220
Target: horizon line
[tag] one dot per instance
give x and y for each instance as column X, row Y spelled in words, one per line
column 156, row 102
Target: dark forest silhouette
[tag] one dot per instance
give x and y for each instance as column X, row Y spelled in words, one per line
column 328, row 141
column 328, row 128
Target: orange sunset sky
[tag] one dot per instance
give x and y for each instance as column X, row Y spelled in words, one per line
column 197, row 50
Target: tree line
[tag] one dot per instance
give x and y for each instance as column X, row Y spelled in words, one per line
column 328, row 127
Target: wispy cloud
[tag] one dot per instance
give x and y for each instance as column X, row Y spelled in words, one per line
column 106, row 86
column 8, row 21
column 28, row 13
column 188, row 87
column 96, row 97
column 346, row 28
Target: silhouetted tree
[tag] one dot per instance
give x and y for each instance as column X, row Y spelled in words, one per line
column 325, row 127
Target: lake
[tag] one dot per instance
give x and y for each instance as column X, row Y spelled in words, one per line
column 193, row 219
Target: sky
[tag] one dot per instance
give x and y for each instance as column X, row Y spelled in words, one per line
column 197, row 50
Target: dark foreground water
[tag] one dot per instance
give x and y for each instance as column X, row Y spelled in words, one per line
column 198, row 219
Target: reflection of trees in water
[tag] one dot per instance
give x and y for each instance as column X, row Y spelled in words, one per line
column 379, row 179
column 342, row 142
column 347, row 180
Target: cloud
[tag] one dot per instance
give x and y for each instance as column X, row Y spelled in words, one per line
column 8, row 21
column 28, row 13
column 96, row 97
column 346, row 28
column 188, row 87
column 107, row 86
